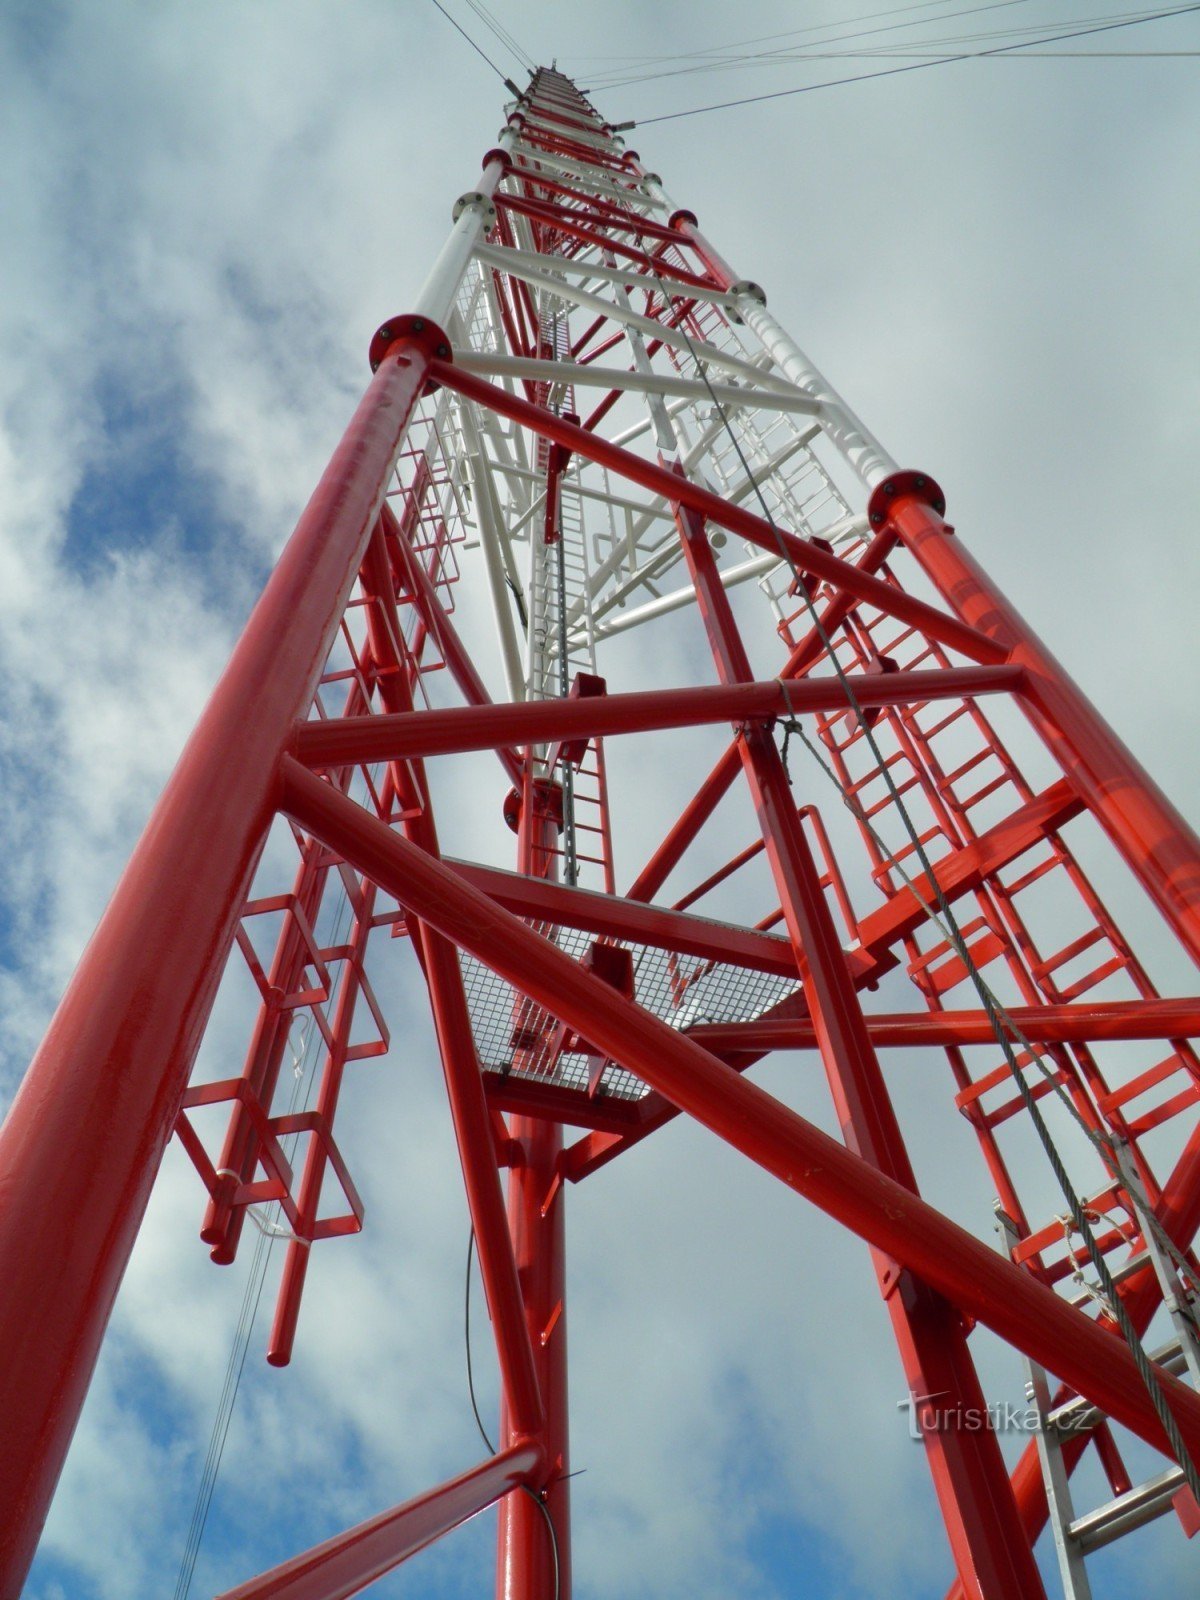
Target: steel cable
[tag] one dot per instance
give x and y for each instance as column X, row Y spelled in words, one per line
column 919, row 66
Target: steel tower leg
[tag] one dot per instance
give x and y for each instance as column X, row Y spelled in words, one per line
column 83, row 1141
column 533, row 1553
column 993, row 1558
column 526, row 1555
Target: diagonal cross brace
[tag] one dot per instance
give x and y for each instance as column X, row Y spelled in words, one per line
column 881, row 1211
column 806, row 556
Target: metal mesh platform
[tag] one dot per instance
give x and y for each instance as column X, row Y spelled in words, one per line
column 515, row 1036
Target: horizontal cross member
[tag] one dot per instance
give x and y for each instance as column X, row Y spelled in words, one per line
column 1052, row 1024
column 352, row 740
column 756, row 395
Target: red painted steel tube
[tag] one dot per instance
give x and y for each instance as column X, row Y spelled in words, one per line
column 526, row 1567
column 1160, row 848
column 83, row 1141
column 807, row 557
column 534, row 1097
column 968, row 1471
column 348, row 1562
column 345, row 740
column 632, row 920
column 951, row 1260
column 1054, row 1024
column 529, row 1564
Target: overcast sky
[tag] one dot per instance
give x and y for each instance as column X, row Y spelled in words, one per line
column 207, row 211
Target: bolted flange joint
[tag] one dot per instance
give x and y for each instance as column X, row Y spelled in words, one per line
column 650, row 177
column 420, row 330
column 474, row 198
column 904, row 485
column 678, row 219
column 496, row 154
column 547, row 798
column 745, row 289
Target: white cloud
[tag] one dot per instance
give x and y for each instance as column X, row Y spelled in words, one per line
column 211, row 210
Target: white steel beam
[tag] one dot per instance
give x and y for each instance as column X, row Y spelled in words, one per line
column 509, row 260
column 497, row 366
column 698, row 348
column 678, row 598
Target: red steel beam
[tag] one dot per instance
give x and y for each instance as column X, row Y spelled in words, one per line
column 884, row 1213
column 348, row 1562
column 806, row 556
column 535, row 1097
column 339, row 741
column 530, row 1564
column 1157, row 844
column 614, row 918
column 85, row 1135
column 1051, row 1024
column 562, row 221
column 968, row 1471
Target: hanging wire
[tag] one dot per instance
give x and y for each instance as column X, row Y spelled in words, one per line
column 1001, row 1023
column 477, row 49
column 785, row 53
column 765, row 38
column 502, row 33
column 823, row 49
column 483, row 1433
column 919, row 66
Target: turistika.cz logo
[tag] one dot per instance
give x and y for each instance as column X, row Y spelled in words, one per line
column 926, row 1415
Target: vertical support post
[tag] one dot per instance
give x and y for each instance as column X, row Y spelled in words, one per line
column 85, row 1135
column 529, row 1564
column 993, row 1558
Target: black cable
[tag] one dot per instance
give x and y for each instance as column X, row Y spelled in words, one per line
column 549, row 1520
column 784, row 53
column 501, row 33
column 470, row 41
column 483, row 1433
column 918, row 66
column 763, row 38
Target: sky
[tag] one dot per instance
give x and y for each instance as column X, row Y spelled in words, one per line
column 208, row 211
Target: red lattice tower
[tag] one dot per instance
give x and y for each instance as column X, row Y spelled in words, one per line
column 574, row 1020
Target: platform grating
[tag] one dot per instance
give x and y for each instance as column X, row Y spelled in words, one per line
column 514, row 1035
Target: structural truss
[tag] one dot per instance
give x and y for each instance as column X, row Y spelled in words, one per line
column 592, row 428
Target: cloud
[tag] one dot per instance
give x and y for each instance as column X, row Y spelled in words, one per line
column 211, row 210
